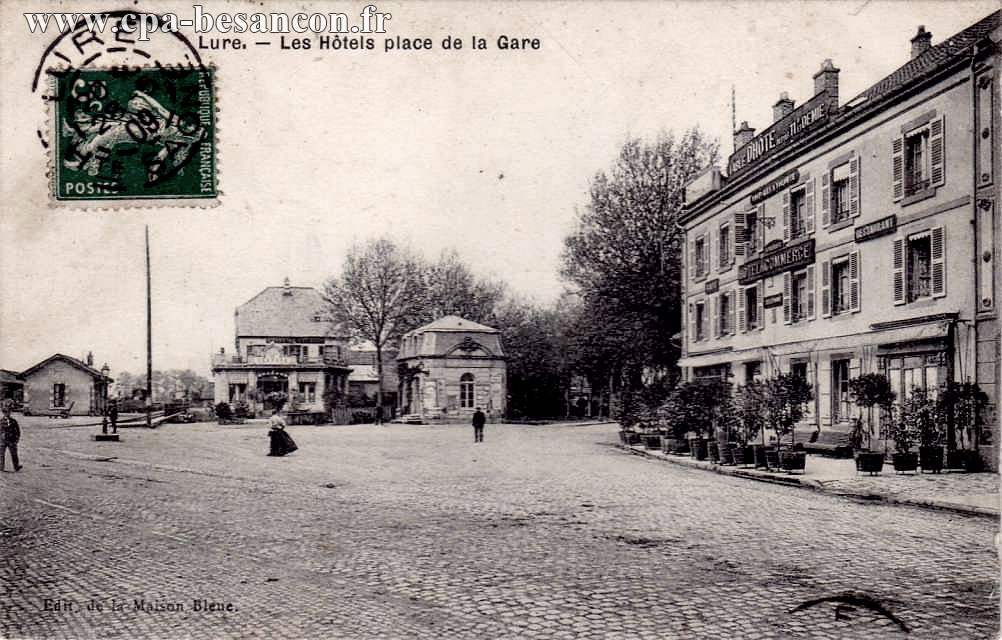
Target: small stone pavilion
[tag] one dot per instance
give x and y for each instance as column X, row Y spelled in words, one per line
column 449, row 367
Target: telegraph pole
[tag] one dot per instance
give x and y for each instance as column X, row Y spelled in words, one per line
column 149, row 337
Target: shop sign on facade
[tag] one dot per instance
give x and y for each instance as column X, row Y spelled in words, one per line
column 877, row 228
column 785, row 259
column 797, row 124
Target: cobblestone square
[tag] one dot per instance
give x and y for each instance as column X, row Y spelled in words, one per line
column 409, row 531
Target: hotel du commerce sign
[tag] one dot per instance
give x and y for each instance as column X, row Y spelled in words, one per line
column 786, row 258
column 802, row 120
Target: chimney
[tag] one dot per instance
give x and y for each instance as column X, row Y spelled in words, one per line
column 922, row 41
column 827, row 80
column 288, row 289
column 782, row 108
column 90, row 358
column 743, row 135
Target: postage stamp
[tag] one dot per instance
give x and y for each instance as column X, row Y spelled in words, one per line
column 134, row 134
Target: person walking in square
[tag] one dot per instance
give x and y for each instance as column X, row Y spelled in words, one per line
column 479, row 420
column 10, row 433
column 281, row 442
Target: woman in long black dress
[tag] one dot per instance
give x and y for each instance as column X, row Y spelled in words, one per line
column 281, row 442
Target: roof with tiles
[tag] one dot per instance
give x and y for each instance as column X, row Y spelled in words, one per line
column 295, row 312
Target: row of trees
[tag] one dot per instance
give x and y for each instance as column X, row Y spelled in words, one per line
column 616, row 326
column 167, row 385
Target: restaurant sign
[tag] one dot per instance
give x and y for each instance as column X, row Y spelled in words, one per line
column 788, row 179
column 802, row 120
column 877, row 228
column 785, row 259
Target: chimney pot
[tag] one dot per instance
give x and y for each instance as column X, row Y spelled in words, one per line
column 826, row 79
column 922, row 41
column 90, row 358
column 783, row 107
column 743, row 135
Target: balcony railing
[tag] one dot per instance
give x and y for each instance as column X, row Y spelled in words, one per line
column 222, row 359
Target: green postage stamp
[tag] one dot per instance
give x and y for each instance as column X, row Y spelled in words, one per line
column 135, row 134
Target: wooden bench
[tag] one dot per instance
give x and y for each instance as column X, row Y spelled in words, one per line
column 832, row 443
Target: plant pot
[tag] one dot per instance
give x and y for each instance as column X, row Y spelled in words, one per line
column 771, row 458
column 738, row 454
column 791, row 461
column 713, row 451
column 904, row 462
column 632, row 438
column 964, row 459
column 758, row 455
column 698, row 448
column 871, row 462
column 652, row 442
column 726, row 452
column 931, row 458
column 668, row 445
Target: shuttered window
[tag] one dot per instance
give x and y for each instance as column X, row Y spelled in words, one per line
column 918, row 159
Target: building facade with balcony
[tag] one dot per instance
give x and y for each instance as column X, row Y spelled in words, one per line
column 449, row 367
column 284, row 346
column 859, row 236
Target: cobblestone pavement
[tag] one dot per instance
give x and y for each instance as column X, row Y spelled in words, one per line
column 415, row 532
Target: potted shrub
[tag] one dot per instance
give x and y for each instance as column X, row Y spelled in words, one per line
column 964, row 405
column 786, row 396
column 750, row 406
column 905, row 433
column 923, row 415
column 868, row 391
column 695, row 406
column 223, row 413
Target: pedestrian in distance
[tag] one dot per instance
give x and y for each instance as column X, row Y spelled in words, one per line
column 479, row 420
column 10, row 434
column 113, row 416
column 281, row 442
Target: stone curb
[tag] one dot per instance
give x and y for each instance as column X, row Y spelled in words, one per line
column 808, row 483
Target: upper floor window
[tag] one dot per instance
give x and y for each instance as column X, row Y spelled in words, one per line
column 840, row 193
column 699, row 321
column 919, row 266
column 751, row 232
column 725, row 245
column 751, row 308
column 917, row 158
column 840, row 286
column 701, row 257
column 799, row 301
column 725, row 315
column 798, row 213
column 917, row 162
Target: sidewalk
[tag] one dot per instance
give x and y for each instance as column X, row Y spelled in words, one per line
column 970, row 493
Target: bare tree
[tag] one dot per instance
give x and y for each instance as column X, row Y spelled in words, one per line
column 378, row 297
column 453, row 289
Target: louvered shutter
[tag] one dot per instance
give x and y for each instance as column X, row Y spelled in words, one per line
column 786, row 216
column 854, row 281
column 787, row 301
column 711, row 250
column 692, row 323
column 826, row 289
column 938, row 243
column 810, row 293
column 711, row 308
column 730, row 313
column 809, row 206
column 740, row 303
column 761, row 305
column 52, row 396
column 826, row 199
column 936, row 152
column 898, row 279
column 898, row 167
column 692, row 258
column 739, row 233
column 760, row 227
column 854, row 185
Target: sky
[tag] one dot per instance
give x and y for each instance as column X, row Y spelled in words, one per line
column 488, row 152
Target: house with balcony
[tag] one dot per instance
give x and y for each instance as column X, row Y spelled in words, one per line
column 286, row 351
column 857, row 236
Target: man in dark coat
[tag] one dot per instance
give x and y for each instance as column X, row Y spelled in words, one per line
column 113, row 416
column 10, row 433
column 479, row 420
